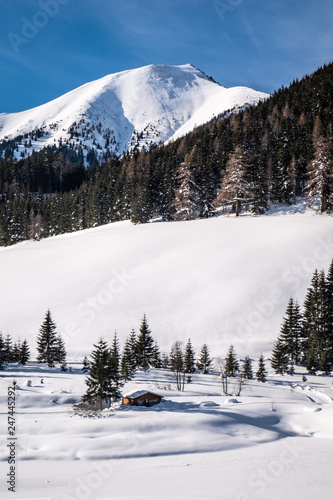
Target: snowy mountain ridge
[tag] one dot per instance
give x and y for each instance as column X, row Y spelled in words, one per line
column 126, row 110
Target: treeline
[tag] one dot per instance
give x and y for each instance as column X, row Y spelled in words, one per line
column 13, row 352
column 50, row 347
column 306, row 336
column 271, row 153
column 108, row 368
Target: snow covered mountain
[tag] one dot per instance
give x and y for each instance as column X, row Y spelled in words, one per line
column 119, row 112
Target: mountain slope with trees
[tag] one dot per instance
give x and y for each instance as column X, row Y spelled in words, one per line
column 282, row 148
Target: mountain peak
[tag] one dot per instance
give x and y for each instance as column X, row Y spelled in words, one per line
column 126, row 110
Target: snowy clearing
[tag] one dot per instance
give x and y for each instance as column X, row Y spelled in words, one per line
column 223, row 281
column 197, row 444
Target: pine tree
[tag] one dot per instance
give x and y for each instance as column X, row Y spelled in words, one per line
column 140, row 206
column 279, row 361
column 319, row 186
column 98, row 381
column 261, row 373
column 9, row 355
column 15, row 355
column 24, row 353
column 329, row 304
column 247, row 372
column 189, row 361
column 47, row 341
column 187, row 201
column 115, row 378
column 235, row 187
column 312, row 364
column 204, row 360
column 129, row 357
column 144, row 345
column 2, row 353
column 231, row 363
column 155, row 360
column 165, row 360
column 60, row 353
column 85, row 365
column 317, row 326
column 291, row 336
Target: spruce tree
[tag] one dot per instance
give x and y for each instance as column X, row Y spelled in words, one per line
column 165, row 360
column 155, row 360
column 236, row 188
column 9, row 354
column 261, row 373
column 189, row 361
column 85, row 365
column 47, row 341
column 279, row 360
column 291, row 336
column 319, row 186
column 15, row 355
column 204, row 360
column 186, row 205
column 98, row 381
column 247, row 372
column 128, row 360
column 115, row 378
column 2, row 353
column 231, row 363
column 144, row 345
column 140, row 206
column 60, row 353
column 317, row 323
column 329, row 305
column 312, row 364
column 24, row 355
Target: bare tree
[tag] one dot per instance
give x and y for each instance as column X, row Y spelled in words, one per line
column 221, row 365
column 176, row 364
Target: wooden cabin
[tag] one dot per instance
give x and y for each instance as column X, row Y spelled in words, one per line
column 141, row 398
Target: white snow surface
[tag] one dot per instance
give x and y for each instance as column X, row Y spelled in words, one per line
column 162, row 102
column 196, row 444
column 222, row 281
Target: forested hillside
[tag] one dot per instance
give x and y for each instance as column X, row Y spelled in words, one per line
column 271, row 153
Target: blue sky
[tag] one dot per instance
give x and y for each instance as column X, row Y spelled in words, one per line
column 48, row 47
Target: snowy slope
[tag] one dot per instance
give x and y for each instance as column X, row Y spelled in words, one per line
column 123, row 110
column 271, row 442
column 223, row 280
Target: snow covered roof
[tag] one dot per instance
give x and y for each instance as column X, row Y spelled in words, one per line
column 137, row 394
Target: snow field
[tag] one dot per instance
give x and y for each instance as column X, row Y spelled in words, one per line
column 272, row 437
column 221, row 281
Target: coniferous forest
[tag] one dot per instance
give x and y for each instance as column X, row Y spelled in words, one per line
column 306, row 335
column 271, row 153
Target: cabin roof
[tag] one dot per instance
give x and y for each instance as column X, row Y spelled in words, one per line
column 137, row 394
